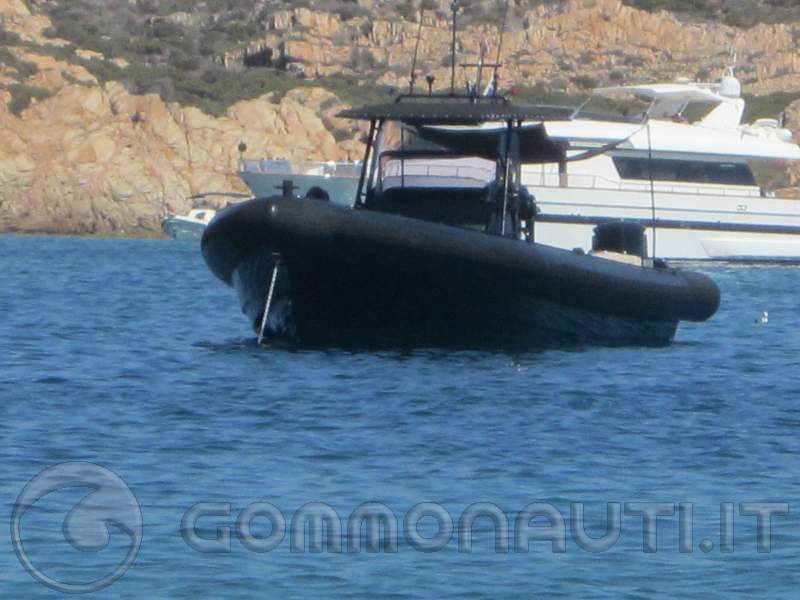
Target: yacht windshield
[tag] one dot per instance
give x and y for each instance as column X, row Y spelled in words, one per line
column 624, row 106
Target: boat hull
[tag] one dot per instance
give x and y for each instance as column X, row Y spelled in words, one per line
column 353, row 277
column 183, row 229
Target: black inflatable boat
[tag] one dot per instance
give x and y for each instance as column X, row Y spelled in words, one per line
column 437, row 249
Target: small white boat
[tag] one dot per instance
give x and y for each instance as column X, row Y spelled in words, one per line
column 188, row 227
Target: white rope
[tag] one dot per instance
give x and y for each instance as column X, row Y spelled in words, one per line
column 268, row 303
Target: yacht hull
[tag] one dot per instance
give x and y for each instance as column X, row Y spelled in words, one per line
column 356, row 277
column 340, row 189
column 688, row 227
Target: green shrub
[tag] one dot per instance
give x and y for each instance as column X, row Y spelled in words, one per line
column 769, row 106
column 739, row 13
column 361, row 60
column 9, row 38
column 24, row 68
column 585, row 82
column 616, row 76
column 69, row 77
column 22, row 96
column 541, row 94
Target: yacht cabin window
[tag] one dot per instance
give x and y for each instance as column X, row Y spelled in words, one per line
column 686, row 171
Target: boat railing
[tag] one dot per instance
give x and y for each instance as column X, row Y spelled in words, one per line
column 598, row 182
column 308, row 167
column 438, row 172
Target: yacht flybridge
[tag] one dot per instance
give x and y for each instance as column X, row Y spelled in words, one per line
column 691, row 177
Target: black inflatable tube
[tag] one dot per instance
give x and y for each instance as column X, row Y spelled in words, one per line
column 289, row 225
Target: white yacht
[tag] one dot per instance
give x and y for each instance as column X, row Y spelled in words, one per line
column 692, row 178
column 266, row 177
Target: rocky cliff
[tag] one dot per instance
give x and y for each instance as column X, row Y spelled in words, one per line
column 95, row 159
column 92, row 158
column 561, row 44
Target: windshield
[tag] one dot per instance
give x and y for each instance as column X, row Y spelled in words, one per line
column 406, row 160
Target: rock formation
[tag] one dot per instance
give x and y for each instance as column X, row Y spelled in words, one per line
column 564, row 44
column 95, row 159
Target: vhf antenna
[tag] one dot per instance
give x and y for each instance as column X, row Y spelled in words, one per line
column 481, row 62
column 500, row 46
column 454, row 6
column 413, row 78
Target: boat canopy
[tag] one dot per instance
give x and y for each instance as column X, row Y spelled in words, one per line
column 474, row 127
column 455, row 111
column 534, row 144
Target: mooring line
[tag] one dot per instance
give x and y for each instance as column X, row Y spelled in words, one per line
column 268, row 303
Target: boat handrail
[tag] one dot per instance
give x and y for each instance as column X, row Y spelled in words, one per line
column 306, row 167
column 400, row 169
column 597, row 182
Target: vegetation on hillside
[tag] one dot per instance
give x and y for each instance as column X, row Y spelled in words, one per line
column 173, row 47
column 21, row 94
column 740, row 13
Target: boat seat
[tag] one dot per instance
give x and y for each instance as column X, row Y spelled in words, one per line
column 459, row 207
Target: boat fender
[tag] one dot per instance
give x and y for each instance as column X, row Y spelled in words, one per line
column 527, row 205
column 317, row 193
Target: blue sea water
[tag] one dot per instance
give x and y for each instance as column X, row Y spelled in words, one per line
column 129, row 355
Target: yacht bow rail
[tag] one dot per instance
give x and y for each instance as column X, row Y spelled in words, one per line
column 313, row 168
column 597, row 182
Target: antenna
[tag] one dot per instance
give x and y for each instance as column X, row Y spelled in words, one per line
column 730, row 70
column 481, row 56
column 500, row 45
column 472, row 88
column 454, row 6
column 413, row 77
column 580, row 107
